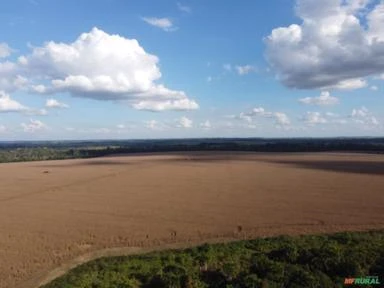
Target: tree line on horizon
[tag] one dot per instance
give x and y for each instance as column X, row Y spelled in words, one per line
column 16, row 152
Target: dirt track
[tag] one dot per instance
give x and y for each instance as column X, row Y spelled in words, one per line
column 52, row 212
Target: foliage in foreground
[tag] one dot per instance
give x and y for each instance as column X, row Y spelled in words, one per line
column 304, row 261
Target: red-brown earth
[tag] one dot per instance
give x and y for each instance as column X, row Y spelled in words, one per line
column 52, row 212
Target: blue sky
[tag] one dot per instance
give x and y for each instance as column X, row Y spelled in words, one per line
column 115, row 69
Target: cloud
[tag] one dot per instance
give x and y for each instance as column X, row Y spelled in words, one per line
column 206, row 125
column 325, row 99
column 153, row 125
column 184, row 122
column 360, row 112
column 351, row 84
column 3, row 129
column 7, row 68
column 10, row 78
column 33, row 126
column 246, row 117
column 7, row 104
column 5, row 50
column 156, row 106
column 96, row 65
column 243, row 70
column 53, row 103
column 313, row 118
column 40, row 89
column 374, row 88
column 259, row 111
column 281, row 119
column 336, row 44
column 363, row 116
column 162, row 23
column 184, row 8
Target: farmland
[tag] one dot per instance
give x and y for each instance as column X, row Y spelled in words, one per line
column 52, row 212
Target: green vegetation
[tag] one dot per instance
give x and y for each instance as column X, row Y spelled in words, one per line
column 50, row 150
column 30, row 154
column 51, row 153
column 303, row 261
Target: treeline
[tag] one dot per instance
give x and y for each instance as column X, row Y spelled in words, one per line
column 267, row 147
column 292, row 262
column 32, row 154
column 25, row 151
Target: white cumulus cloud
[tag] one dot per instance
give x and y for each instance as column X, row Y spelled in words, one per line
column 245, row 116
column 350, row 84
column 156, row 106
column 360, row 112
column 313, row 118
column 7, row 104
column 53, row 103
column 33, row 126
column 336, row 44
column 325, row 99
column 99, row 66
column 206, row 125
column 10, row 78
column 259, row 111
column 363, row 116
column 184, row 122
column 281, row 119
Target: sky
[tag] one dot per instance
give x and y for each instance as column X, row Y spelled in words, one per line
column 142, row 69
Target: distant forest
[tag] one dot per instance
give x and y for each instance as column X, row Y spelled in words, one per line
column 50, row 150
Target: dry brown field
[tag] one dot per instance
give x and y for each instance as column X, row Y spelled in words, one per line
column 54, row 211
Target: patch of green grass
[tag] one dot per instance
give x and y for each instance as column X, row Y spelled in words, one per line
column 302, row 261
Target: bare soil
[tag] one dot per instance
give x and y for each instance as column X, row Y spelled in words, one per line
column 52, row 212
